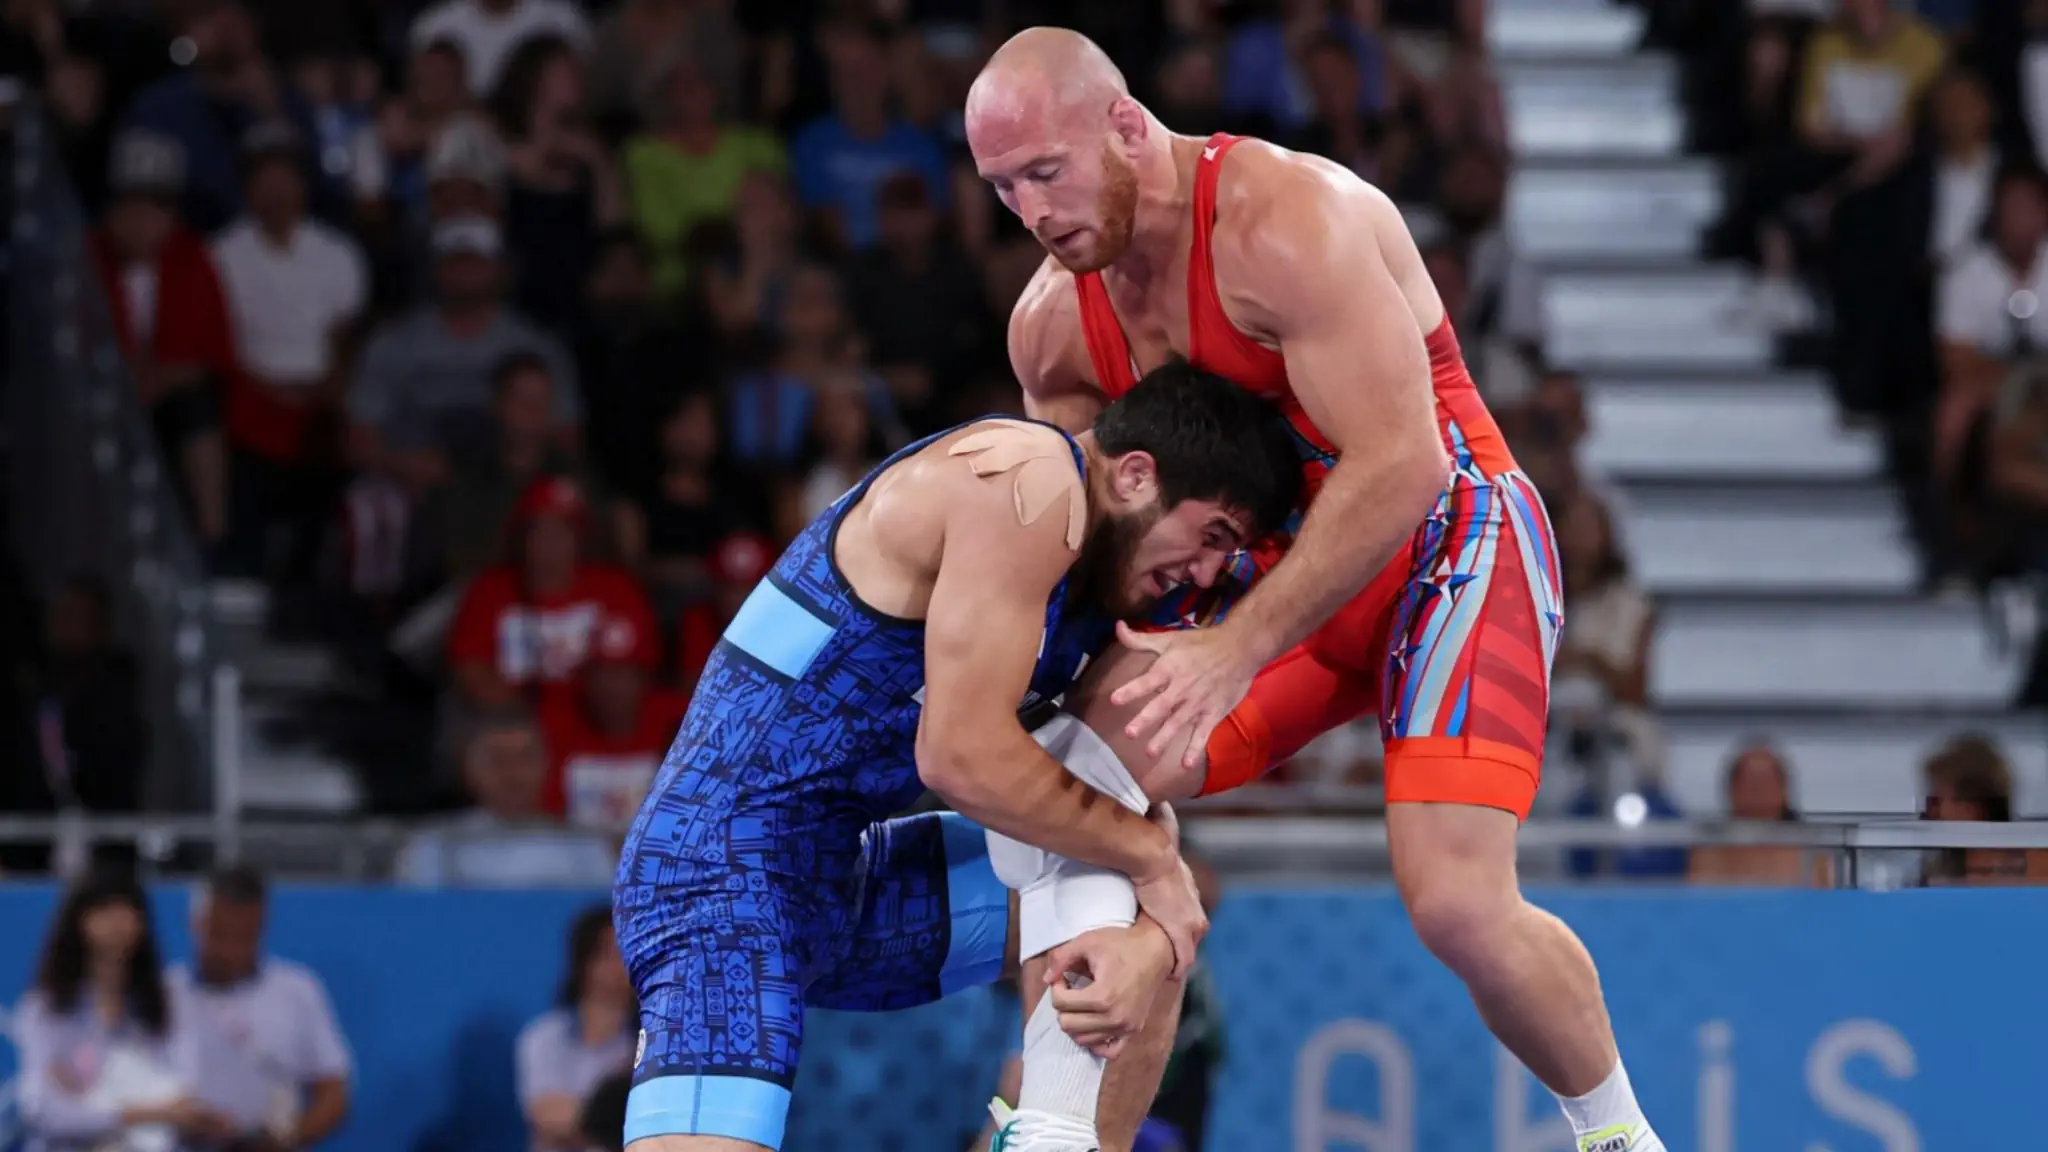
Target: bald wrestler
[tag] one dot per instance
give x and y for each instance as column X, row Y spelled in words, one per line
column 1421, row 584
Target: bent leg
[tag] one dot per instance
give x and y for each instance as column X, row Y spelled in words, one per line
column 1131, row 1081
column 1069, row 1097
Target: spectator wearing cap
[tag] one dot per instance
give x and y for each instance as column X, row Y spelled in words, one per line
column 919, row 301
column 525, row 628
column 210, row 107
column 564, row 1054
column 489, row 32
column 296, row 289
column 171, row 317
column 842, row 159
column 608, row 740
column 737, row 564
column 688, row 167
column 423, row 386
column 268, row 1052
column 505, row 839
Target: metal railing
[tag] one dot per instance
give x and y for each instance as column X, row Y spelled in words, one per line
column 89, row 493
column 1292, row 847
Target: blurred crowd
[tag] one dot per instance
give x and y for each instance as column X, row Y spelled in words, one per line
column 497, row 345
column 500, row 343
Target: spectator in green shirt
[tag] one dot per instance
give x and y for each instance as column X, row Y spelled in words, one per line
column 688, row 168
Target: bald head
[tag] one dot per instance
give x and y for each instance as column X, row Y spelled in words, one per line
column 1046, row 72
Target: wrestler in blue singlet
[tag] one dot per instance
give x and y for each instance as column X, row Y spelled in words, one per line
column 762, row 875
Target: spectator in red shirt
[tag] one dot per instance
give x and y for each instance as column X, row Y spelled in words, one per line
column 524, row 628
column 737, row 564
column 170, row 316
column 609, row 741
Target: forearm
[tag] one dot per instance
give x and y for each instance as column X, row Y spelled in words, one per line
column 1013, row 787
column 324, row 1113
column 1364, row 513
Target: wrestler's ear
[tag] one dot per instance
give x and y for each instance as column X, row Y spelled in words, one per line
column 1127, row 119
column 1137, row 478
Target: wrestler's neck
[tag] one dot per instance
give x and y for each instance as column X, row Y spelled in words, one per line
column 1163, row 222
column 1100, row 476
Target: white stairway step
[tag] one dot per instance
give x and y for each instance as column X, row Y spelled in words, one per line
column 1624, row 107
column 1678, row 318
column 1645, row 210
column 1769, row 540
column 1781, row 427
column 301, row 668
column 1563, row 27
column 1811, row 654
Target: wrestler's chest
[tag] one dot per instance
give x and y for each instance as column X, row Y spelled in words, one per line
column 1155, row 325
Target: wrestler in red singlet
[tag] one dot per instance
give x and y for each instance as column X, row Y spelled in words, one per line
column 1451, row 643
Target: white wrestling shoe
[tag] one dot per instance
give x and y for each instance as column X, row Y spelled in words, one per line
column 1621, row 1138
column 1027, row 1130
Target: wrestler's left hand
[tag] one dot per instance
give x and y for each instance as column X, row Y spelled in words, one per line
column 1199, row 676
column 1125, row 968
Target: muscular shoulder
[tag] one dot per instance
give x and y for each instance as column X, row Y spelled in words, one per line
column 1285, row 221
column 1046, row 344
column 1028, row 468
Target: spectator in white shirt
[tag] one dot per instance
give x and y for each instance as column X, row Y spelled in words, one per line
column 490, row 31
column 1989, row 313
column 508, row 840
column 1965, row 163
column 267, row 1052
column 295, row 289
column 565, row 1053
column 101, row 1050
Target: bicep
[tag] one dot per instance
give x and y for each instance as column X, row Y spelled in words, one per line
column 1355, row 355
column 981, row 637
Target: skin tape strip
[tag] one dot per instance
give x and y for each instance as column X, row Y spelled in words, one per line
column 1043, row 467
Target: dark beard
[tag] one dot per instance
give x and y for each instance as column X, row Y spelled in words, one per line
column 1099, row 576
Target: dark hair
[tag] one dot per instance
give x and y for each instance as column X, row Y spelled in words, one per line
column 1211, row 440
column 507, row 369
column 586, row 936
column 237, row 884
column 1759, row 746
column 512, row 99
column 61, row 975
column 1613, row 562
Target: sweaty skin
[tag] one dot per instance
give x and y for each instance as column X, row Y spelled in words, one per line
column 1044, row 473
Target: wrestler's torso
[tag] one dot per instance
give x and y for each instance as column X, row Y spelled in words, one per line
column 803, row 727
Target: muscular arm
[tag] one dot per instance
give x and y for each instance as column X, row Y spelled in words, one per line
column 1045, row 352
column 982, row 634
column 1308, row 270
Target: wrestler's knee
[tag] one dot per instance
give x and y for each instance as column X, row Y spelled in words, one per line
column 1455, row 867
column 1162, row 778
